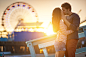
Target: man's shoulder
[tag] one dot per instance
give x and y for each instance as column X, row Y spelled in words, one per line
column 75, row 14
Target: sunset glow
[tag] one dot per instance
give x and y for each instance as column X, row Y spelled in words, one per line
column 49, row 30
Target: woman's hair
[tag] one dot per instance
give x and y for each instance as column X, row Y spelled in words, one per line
column 56, row 17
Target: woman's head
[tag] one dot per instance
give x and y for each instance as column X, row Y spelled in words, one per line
column 56, row 17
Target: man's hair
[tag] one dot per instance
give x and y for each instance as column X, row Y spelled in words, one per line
column 66, row 5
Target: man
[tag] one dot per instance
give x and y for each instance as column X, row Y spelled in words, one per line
column 72, row 23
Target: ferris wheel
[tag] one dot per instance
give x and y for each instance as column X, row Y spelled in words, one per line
column 18, row 11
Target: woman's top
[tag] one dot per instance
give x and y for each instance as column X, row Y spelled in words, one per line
column 63, row 32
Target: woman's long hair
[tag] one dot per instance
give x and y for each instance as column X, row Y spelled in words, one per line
column 56, row 17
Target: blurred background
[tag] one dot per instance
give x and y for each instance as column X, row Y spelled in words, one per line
column 24, row 20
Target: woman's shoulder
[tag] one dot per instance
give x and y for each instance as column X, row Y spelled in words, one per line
column 62, row 23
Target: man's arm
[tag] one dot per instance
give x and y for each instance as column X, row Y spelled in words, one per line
column 74, row 25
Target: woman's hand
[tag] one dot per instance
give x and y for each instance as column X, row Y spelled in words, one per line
column 62, row 15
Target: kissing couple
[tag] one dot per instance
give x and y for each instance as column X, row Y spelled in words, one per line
column 66, row 25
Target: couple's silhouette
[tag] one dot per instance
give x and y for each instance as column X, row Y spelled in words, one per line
column 66, row 29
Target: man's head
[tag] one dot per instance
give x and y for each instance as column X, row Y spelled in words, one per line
column 66, row 7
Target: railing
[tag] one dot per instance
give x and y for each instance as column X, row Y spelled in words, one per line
column 39, row 42
column 48, row 41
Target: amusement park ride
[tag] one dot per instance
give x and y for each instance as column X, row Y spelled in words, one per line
column 20, row 17
column 16, row 12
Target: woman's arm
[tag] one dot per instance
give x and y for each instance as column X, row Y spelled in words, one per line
column 63, row 29
column 64, row 19
column 66, row 32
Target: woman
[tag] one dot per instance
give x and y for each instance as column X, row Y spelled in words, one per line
column 61, row 29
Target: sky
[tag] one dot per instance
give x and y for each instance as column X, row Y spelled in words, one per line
column 44, row 8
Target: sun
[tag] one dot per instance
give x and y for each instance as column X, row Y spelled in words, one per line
column 49, row 30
